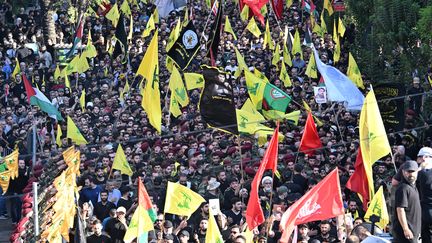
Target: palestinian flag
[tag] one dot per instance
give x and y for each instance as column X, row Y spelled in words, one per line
column 77, row 38
column 308, row 5
column 37, row 98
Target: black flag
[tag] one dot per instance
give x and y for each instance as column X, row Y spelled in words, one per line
column 217, row 27
column 185, row 47
column 217, row 101
column 121, row 46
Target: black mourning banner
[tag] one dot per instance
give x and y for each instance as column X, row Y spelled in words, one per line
column 185, row 47
column 121, row 46
column 217, row 101
column 392, row 110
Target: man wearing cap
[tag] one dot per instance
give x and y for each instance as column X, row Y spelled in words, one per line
column 407, row 220
column 424, row 154
column 424, row 185
column 116, row 227
column 183, row 236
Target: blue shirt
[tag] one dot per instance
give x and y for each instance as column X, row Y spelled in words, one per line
column 89, row 194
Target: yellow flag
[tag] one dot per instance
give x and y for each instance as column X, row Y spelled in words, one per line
column 244, row 15
column 284, row 76
column 74, row 133
column 173, row 35
column 260, row 75
column 113, row 15
column 149, row 27
column 353, row 72
column 149, row 69
column 59, row 135
column 286, row 55
column 253, row 28
column 323, row 24
column 186, row 18
column 177, row 88
column 378, row 207
column 67, row 83
column 43, row 80
column 57, row 73
column 72, row 65
column 82, row 100
column 289, row 3
column 213, row 234
column 156, row 16
column 373, row 137
column 241, row 64
column 4, row 180
column 90, row 49
column 174, row 107
column 293, row 116
column 11, row 161
column 267, row 37
column 228, row 28
column 311, row 69
column 337, row 50
column 328, row 6
column 341, row 28
column 247, row 122
column 120, row 162
column 181, row 200
column 82, row 65
column 193, row 80
column 276, row 55
column 131, row 29
column 317, row 29
column 255, row 88
column 17, row 69
column 335, row 34
column 297, row 45
column 125, row 90
column 263, row 10
column 125, row 8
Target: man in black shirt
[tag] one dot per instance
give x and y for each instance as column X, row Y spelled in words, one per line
column 97, row 236
column 407, row 223
column 234, row 215
column 424, row 183
column 102, row 208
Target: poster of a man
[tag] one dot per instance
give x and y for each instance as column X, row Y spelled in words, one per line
column 320, row 95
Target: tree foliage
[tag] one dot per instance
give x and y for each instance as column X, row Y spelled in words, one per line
column 388, row 37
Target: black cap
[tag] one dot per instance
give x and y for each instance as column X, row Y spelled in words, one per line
column 410, row 165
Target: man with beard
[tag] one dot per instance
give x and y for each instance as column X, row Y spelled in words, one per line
column 98, row 236
column 407, row 220
column 103, row 207
column 116, row 227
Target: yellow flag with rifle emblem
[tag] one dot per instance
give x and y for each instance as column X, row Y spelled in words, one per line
column 74, row 133
column 4, row 180
column 177, row 88
column 193, row 80
column 228, row 28
column 253, row 28
column 378, row 207
column 181, row 200
column 120, row 162
column 11, row 161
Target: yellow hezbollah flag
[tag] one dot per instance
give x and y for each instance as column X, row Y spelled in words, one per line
column 177, row 88
column 120, row 162
column 59, row 135
column 353, row 72
column 89, row 50
column 82, row 100
column 213, row 234
column 253, row 28
column 337, row 50
column 341, row 28
column 156, row 16
column 174, row 107
column 131, row 29
column 125, row 8
column 125, row 90
column 193, row 80
column 260, row 75
column 181, row 200
column 296, row 45
column 82, row 65
column 11, row 161
column 149, row 69
column 74, row 133
column 267, row 37
column 113, row 15
column 17, row 69
column 57, row 73
column 258, row 86
column 328, row 6
column 323, row 24
column 373, row 138
column 244, row 15
column 228, row 28
column 4, row 180
column 284, row 76
column 311, row 69
column 378, row 207
column 276, row 55
column 149, row 27
column 286, row 56
column 241, row 64
column 173, row 35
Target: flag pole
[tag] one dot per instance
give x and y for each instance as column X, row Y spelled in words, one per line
column 268, row 228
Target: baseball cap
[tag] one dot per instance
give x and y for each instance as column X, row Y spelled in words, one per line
column 410, row 165
column 425, row 151
column 121, row 210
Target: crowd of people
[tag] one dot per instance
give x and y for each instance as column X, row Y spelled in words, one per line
column 208, row 161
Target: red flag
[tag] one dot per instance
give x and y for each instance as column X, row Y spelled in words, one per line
column 358, row 181
column 323, row 201
column 28, row 88
column 255, row 6
column 277, row 6
column 310, row 140
column 254, row 213
column 308, row 5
